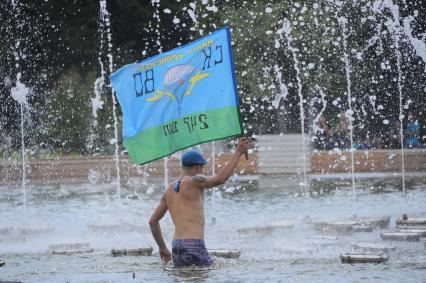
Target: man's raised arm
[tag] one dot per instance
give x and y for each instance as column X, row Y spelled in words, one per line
column 223, row 175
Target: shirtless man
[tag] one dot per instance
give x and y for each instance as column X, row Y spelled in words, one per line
column 185, row 201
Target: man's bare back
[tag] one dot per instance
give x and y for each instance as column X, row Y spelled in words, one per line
column 187, row 209
column 184, row 199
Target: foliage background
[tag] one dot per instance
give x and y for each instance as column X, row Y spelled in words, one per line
column 56, row 47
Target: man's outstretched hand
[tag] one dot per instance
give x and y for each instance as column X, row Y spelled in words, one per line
column 243, row 146
column 165, row 255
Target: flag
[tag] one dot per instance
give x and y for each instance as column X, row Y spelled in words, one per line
column 183, row 97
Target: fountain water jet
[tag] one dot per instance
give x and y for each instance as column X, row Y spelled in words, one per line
column 19, row 93
column 156, row 5
column 99, row 83
column 283, row 88
column 395, row 28
column 342, row 22
column 286, row 29
column 324, row 106
column 213, row 158
column 105, row 19
column 166, row 172
column 418, row 45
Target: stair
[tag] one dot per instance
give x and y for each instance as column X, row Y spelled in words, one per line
column 283, row 154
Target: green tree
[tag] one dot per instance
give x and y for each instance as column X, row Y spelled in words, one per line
column 65, row 123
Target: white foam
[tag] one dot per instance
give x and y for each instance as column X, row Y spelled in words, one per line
column 418, row 45
column 20, row 91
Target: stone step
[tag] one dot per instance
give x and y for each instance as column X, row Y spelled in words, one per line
column 36, row 229
column 104, row 227
column 132, row 252
column 411, row 227
column 224, row 253
column 72, row 252
column 411, row 221
column 363, row 258
column 286, row 223
column 421, row 232
column 362, row 227
column 256, row 230
column 381, row 222
column 69, row 246
column 326, row 238
column 350, row 225
column 279, row 224
column 323, row 241
column 372, row 247
column 414, row 237
column 114, row 227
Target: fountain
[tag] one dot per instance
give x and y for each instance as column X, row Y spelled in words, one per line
column 106, row 24
column 343, row 22
column 286, row 29
column 19, row 93
column 296, row 63
column 396, row 29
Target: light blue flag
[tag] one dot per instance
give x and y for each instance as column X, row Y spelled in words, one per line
column 178, row 99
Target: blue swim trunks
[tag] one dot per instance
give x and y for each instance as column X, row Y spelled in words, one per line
column 188, row 252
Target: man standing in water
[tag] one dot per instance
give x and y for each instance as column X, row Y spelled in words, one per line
column 185, row 201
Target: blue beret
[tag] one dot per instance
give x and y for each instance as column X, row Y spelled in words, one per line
column 192, row 157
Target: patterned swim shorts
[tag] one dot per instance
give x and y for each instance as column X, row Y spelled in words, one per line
column 188, row 252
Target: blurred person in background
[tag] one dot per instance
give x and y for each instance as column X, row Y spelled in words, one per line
column 412, row 132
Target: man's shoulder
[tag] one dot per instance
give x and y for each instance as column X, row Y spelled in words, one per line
column 189, row 184
column 200, row 178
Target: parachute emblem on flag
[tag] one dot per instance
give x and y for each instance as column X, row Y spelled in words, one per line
column 176, row 81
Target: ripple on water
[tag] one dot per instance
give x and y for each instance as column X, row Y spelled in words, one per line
column 297, row 252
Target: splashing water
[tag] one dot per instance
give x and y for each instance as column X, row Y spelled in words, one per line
column 192, row 15
column 418, row 45
column 99, row 83
column 283, row 88
column 395, row 28
column 166, row 172
column 19, row 93
column 324, row 105
column 343, row 22
column 105, row 18
column 156, row 16
column 213, row 158
column 286, row 30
